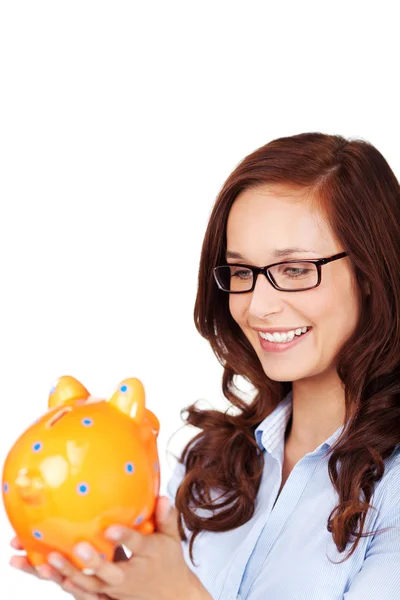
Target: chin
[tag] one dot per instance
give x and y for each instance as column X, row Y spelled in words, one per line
column 286, row 373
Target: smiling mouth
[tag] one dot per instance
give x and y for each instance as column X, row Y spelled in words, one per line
column 284, row 336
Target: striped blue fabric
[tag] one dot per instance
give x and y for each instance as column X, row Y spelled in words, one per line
column 284, row 551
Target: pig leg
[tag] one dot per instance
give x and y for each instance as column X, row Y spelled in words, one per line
column 146, row 527
column 35, row 558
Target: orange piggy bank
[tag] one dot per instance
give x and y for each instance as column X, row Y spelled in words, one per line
column 86, row 464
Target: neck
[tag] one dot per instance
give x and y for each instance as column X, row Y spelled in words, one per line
column 318, row 411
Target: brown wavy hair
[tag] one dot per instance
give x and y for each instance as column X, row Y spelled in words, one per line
column 358, row 193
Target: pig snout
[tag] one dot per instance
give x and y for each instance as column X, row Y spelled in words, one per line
column 30, row 485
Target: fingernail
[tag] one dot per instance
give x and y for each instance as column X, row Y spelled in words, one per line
column 41, row 572
column 113, row 534
column 55, row 561
column 83, row 551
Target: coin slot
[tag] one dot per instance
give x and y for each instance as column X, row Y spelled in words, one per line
column 59, row 416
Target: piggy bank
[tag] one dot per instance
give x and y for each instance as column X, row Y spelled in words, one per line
column 86, row 464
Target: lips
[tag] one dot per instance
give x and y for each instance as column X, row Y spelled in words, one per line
column 279, row 330
column 282, row 346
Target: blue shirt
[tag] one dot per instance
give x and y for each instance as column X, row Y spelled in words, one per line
column 282, row 552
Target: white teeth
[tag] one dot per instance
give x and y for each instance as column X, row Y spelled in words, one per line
column 282, row 337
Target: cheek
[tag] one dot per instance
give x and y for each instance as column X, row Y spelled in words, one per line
column 233, row 308
column 343, row 304
column 336, row 319
column 238, row 307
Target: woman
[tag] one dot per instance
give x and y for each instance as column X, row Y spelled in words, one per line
column 296, row 495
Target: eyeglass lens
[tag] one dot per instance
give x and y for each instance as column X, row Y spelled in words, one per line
column 289, row 276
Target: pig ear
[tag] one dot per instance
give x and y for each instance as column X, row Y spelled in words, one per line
column 130, row 399
column 154, row 422
column 65, row 390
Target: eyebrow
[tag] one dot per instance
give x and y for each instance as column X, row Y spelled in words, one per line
column 277, row 253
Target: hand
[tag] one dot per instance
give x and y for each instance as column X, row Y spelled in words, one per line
column 156, row 570
column 51, row 574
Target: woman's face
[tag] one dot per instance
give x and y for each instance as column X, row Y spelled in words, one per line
column 269, row 218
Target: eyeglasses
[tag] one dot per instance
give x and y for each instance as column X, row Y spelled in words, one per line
column 288, row 276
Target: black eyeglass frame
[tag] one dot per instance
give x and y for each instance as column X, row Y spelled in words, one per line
column 318, row 262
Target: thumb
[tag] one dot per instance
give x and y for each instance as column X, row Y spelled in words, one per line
column 167, row 518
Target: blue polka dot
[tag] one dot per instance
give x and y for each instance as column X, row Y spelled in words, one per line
column 37, row 446
column 123, row 388
column 6, row 487
column 87, row 422
column 37, row 534
column 53, row 389
column 103, row 556
column 82, row 489
column 139, row 520
column 129, row 467
column 156, row 467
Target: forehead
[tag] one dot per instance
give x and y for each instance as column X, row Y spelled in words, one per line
column 265, row 218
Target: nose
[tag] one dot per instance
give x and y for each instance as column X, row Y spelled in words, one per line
column 265, row 299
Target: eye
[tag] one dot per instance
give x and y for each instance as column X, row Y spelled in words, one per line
column 241, row 273
column 295, row 272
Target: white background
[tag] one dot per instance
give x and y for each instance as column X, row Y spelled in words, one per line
column 119, row 122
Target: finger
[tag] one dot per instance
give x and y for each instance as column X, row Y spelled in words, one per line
column 133, row 540
column 77, row 592
column 16, row 544
column 22, row 563
column 47, row 572
column 108, row 572
column 80, row 594
column 103, row 572
column 73, row 576
column 43, row 571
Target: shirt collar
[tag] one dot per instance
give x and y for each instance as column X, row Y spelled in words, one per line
column 270, row 433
